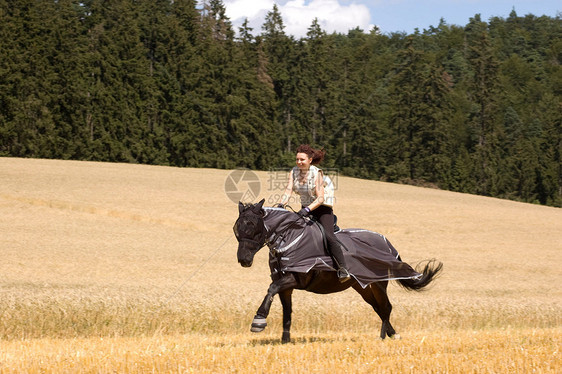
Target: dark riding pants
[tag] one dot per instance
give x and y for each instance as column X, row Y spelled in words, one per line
column 325, row 216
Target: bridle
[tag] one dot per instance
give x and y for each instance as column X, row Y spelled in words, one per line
column 261, row 240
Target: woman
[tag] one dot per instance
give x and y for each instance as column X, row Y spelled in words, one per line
column 317, row 198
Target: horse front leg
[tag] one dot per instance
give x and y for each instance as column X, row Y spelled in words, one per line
column 287, row 303
column 285, row 283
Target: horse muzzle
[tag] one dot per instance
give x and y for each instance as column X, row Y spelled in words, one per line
column 246, row 252
column 246, row 264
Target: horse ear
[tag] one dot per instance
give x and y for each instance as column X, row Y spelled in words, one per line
column 240, row 207
column 260, row 204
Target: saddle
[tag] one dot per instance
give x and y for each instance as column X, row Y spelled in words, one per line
column 336, row 227
column 323, row 232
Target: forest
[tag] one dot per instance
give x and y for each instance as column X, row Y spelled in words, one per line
column 474, row 108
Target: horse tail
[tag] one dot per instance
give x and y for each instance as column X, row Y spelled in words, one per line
column 430, row 271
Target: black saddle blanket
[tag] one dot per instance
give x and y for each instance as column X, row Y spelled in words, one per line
column 370, row 257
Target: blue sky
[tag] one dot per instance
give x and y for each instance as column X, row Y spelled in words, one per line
column 388, row 15
column 406, row 15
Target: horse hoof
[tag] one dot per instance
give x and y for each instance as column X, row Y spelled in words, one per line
column 258, row 324
column 257, row 328
column 396, row 337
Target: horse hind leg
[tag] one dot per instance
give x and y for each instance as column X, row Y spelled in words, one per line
column 375, row 295
column 385, row 308
column 388, row 330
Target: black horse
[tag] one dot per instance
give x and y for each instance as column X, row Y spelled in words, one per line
column 283, row 231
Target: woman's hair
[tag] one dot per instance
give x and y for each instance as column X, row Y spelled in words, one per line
column 317, row 155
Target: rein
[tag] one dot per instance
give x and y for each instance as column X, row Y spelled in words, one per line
column 277, row 235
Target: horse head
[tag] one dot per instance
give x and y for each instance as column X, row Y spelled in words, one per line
column 250, row 231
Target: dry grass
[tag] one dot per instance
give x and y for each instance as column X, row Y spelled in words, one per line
column 509, row 351
column 131, row 268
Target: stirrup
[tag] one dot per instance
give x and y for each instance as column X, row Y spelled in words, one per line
column 343, row 274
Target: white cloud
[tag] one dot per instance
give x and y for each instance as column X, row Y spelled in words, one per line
column 298, row 15
column 240, row 9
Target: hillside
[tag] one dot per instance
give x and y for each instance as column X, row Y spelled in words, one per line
column 119, row 250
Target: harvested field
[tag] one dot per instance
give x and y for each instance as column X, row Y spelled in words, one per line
column 132, row 268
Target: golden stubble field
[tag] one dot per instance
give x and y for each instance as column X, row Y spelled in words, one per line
column 132, row 268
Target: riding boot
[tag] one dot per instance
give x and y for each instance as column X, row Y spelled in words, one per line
column 337, row 254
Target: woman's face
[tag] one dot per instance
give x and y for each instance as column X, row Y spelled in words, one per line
column 303, row 161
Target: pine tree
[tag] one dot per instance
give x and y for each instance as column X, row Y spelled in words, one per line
column 279, row 50
column 360, row 104
column 70, row 65
column 178, row 80
column 421, row 107
column 483, row 91
column 28, row 78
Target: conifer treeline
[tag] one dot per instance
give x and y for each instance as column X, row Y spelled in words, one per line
column 473, row 109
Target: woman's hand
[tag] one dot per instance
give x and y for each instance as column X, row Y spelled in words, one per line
column 304, row 212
